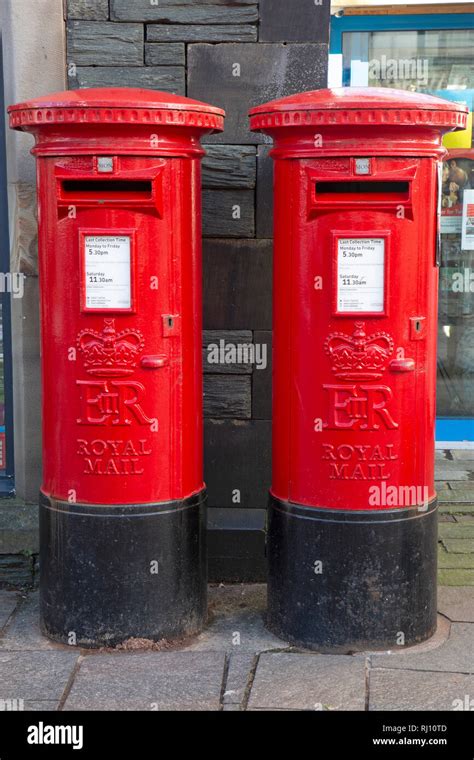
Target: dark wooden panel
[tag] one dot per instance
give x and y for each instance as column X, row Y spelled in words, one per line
column 165, row 54
column 228, row 213
column 239, row 76
column 264, row 205
column 229, row 166
column 96, row 43
column 202, row 33
column 237, row 284
column 237, row 458
column 223, row 346
column 228, row 396
column 167, row 78
column 91, row 10
column 236, row 545
column 285, row 21
column 16, row 570
column 262, row 379
column 179, row 13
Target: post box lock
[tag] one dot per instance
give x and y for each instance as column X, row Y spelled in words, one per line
column 171, row 325
column 417, row 328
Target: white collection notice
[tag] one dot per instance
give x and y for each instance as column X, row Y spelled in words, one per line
column 360, row 275
column 107, row 272
column 467, row 238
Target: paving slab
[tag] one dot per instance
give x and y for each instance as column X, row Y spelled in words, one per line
column 463, row 454
column 237, row 621
column 459, row 545
column 457, row 530
column 35, row 675
column 456, row 494
column 41, row 705
column 449, row 463
column 448, row 560
column 23, row 631
column 456, row 508
column 148, row 681
column 8, row 602
column 412, row 690
column 241, row 668
column 308, row 682
column 456, row 655
column 456, row 577
column 445, row 472
column 457, row 604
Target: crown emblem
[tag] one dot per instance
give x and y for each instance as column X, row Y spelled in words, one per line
column 358, row 355
column 110, row 352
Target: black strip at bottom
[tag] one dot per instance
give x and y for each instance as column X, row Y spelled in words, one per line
column 109, row 574
column 236, row 545
column 344, row 581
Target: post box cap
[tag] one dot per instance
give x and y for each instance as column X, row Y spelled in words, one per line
column 115, row 105
column 358, row 106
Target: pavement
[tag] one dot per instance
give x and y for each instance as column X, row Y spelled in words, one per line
column 455, row 487
column 237, row 665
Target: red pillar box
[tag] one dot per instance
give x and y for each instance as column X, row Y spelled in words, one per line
column 122, row 501
column 352, row 518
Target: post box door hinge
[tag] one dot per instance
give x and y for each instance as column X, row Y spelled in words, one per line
column 438, row 213
column 171, row 325
column 154, row 361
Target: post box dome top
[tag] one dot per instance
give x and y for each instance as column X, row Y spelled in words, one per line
column 115, row 105
column 358, row 106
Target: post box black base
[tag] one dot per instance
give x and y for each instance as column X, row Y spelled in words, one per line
column 108, row 574
column 374, row 589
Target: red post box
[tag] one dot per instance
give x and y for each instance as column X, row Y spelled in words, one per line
column 352, row 525
column 122, row 503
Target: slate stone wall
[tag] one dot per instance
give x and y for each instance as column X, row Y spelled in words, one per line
column 233, row 54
